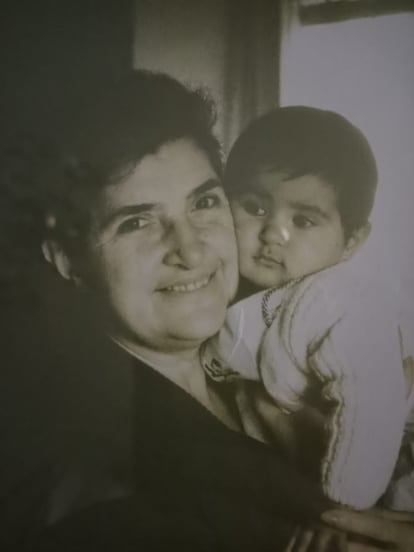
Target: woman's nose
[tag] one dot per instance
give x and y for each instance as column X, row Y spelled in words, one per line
column 275, row 231
column 185, row 248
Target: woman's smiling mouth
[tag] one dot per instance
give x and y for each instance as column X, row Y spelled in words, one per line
column 189, row 286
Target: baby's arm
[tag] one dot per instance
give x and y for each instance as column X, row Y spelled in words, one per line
column 346, row 338
column 368, row 410
column 400, row 493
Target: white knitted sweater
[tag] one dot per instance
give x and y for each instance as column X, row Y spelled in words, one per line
column 342, row 331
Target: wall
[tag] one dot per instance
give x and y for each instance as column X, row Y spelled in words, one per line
column 230, row 47
column 53, row 54
column 363, row 68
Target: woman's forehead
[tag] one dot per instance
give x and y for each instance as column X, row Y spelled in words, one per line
column 170, row 175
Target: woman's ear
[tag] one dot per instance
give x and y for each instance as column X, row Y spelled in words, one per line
column 56, row 255
column 356, row 241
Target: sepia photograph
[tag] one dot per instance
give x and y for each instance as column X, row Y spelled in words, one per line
column 207, row 276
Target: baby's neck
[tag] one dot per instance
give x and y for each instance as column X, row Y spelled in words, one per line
column 245, row 289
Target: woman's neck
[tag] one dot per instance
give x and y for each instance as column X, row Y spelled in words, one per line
column 184, row 369
column 246, row 289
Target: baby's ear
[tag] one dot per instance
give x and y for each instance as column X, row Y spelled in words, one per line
column 356, row 240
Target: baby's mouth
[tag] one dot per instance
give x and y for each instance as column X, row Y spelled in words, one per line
column 268, row 260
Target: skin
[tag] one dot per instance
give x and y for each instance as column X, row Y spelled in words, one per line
column 380, row 529
column 160, row 260
column 165, row 263
column 141, row 232
column 377, row 529
column 343, row 530
column 287, row 228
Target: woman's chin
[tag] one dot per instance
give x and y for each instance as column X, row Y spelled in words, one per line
column 203, row 327
column 199, row 314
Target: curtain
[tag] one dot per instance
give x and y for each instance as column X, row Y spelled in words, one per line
column 230, row 47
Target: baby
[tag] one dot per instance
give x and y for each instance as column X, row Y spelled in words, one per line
column 301, row 182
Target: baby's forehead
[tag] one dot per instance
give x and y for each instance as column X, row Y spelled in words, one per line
column 278, row 189
column 270, row 180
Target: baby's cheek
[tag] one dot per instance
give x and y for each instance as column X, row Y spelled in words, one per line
column 246, row 235
column 246, row 252
column 305, row 254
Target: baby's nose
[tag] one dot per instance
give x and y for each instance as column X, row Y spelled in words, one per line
column 275, row 230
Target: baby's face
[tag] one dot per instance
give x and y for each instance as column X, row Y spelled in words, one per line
column 286, row 228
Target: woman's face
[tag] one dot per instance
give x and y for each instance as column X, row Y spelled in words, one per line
column 163, row 250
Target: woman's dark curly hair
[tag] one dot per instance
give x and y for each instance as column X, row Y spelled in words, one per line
column 49, row 190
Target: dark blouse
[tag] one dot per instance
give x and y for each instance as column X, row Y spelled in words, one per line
column 129, row 461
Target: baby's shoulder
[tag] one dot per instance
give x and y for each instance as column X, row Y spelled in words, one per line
column 341, row 290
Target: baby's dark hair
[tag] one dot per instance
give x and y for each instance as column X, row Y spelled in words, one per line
column 299, row 140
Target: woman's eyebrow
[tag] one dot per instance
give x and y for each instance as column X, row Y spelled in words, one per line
column 124, row 211
column 128, row 210
column 206, row 186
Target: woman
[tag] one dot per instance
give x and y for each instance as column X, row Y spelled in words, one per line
column 146, row 453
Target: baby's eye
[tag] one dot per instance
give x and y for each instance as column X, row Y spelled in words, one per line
column 208, row 201
column 253, row 207
column 302, row 221
column 132, row 224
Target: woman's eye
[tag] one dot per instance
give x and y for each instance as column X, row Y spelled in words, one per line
column 301, row 221
column 132, row 224
column 208, row 202
column 253, row 207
